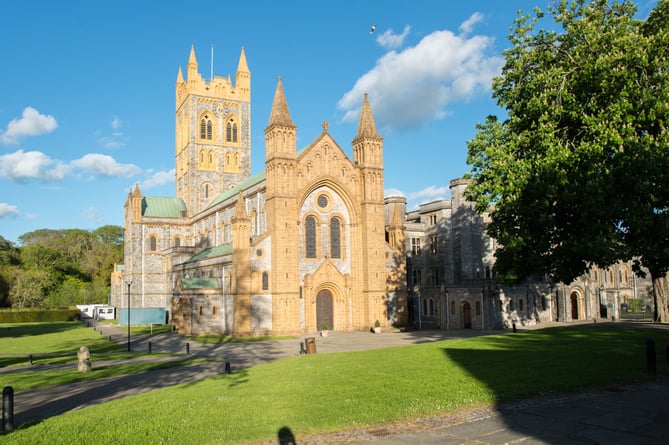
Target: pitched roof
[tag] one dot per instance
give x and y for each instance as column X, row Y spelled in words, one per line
column 253, row 180
column 223, row 249
column 163, row 207
column 201, row 283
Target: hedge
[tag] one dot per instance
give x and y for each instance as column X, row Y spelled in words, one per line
column 39, row 315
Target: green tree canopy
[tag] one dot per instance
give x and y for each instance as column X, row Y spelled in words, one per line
column 578, row 173
column 59, row 267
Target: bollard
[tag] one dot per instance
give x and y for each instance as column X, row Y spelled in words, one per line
column 187, row 348
column 110, row 338
column 650, row 356
column 514, row 327
column 30, row 360
column 8, row 409
column 227, row 367
column 149, row 347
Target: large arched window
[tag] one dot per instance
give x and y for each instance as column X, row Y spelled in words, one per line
column 310, row 237
column 335, row 238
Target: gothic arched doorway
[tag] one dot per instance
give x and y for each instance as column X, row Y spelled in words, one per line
column 324, row 310
column 574, row 305
column 466, row 315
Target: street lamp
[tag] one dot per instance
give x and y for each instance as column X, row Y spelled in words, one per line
column 128, row 283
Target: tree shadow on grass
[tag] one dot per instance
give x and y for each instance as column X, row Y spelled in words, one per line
column 566, row 386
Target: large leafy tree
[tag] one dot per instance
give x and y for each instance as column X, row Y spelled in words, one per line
column 578, row 172
column 59, row 267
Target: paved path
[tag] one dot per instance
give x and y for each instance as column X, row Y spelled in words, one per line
column 622, row 415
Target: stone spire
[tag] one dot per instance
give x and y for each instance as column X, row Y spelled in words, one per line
column 280, row 115
column 366, row 126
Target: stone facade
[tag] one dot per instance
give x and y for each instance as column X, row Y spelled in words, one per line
column 299, row 246
column 452, row 284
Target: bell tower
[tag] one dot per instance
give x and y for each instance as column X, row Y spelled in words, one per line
column 213, row 133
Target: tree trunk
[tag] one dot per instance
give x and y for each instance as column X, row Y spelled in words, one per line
column 661, row 313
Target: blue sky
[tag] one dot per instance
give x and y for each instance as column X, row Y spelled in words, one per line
column 87, row 99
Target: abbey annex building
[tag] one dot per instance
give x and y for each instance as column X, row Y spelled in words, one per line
column 296, row 248
column 311, row 243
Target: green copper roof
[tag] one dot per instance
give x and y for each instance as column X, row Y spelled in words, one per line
column 223, row 249
column 253, row 180
column 163, row 207
column 201, row 283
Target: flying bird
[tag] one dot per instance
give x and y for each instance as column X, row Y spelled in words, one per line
column 372, row 29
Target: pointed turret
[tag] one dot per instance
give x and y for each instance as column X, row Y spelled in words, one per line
column 180, row 77
column 243, row 76
column 192, row 65
column 366, row 126
column 280, row 116
column 240, row 209
column 136, row 200
column 242, row 66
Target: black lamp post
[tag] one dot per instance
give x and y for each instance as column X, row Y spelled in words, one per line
column 128, row 283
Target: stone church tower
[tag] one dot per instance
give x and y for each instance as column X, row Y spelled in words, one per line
column 213, row 134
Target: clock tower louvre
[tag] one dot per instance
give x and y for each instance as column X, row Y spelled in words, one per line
column 213, row 134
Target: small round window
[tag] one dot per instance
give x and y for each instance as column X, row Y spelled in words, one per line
column 322, row 201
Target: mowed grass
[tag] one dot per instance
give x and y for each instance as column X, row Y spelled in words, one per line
column 44, row 338
column 54, row 346
column 332, row 392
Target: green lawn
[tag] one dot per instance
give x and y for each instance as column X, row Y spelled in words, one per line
column 52, row 344
column 325, row 392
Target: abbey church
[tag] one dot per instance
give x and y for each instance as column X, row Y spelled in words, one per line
column 300, row 247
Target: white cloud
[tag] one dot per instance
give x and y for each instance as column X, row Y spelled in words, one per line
column 393, row 192
column 93, row 214
column 158, row 178
column 31, row 123
column 20, row 165
column 428, row 194
column 8, row 210
column 116, row 139
column 411, row 87
column 390, row 40
column 467, row 26
column 105, row 165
